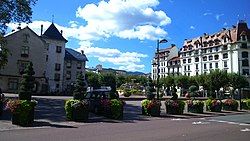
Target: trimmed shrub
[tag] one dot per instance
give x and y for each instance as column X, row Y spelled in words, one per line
column 175, row 107
column 230, row 105
column 195, row 106
column 213, row 105
column 151, row 107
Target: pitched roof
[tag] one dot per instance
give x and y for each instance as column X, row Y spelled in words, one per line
column 53, row 33
column 71, row 54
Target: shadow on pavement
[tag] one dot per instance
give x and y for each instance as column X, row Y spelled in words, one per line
column 44, row 123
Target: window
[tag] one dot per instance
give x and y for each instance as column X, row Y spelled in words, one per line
column 79, row 72
column 57, row 67
column 217, row 42
column 225, row 55
column 47, row 58
column 210, row 65
column 57, row 77
column 205, row 58
column 79, row 65
column 245, row 63
column 225, row 39
column 210, row 57
column 244, row 54
column 25, row 51
column 225, row 64
column 184, row 54
column 217, row 49
column 22, row 66
column 197, row 66
column 68, row 75
column 205, row 66
column 245, row 71
column 244, row 45
column 13, row 84
column 58, row 49
column 216, row 57
column 68, row 64
column 205, row 44
column 197, row 73
column 185, row 68
column 243, row 37
column 216, row 65
column 188, row 67
column 197, row 59
column 211, row 43
column 224, row 47
column 184, row 61
column 211, row 50
column 57, row 86
column 189, row 60
column 188, row 74
column 205, row 51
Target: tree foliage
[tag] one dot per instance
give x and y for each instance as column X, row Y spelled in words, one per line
column 80, row 88
column 93, row 80
column 27, row 83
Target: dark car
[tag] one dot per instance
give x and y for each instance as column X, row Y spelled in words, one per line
column 95, row 97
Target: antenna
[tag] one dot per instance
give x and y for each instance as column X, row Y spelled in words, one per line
column 53, row 18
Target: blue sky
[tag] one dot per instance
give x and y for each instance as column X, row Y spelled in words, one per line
column 122, row 34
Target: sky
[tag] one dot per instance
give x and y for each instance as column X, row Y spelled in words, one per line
column 122, row 34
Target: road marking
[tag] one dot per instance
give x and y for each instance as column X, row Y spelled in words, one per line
column 178, row 119
column 230, row 122
column 200, row 122
column 245, row 130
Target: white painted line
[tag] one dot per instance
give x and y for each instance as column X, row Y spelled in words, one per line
column 178, row 119
column 200, row 123
column 245, row 130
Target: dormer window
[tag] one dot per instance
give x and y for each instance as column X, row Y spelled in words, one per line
column 243, row 37
column 190, row 47
column 205, row 44
column 205, row 58
column 217, row 41
column 211, row 43
column 197, row 59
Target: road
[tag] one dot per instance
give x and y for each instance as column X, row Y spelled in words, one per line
column 51, row 125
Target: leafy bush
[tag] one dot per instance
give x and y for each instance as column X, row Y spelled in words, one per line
column 69, row 108
column 230, row 104
column 112, row 108
column 246, row 104
column 127, row 93
column 22, row 111
column 213, row 105
column 151, row 107
column 195, row 106
column 76, row 109
column 174, row 106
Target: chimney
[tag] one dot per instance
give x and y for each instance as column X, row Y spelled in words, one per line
column 19, row 26
column 172, row 45
column 82, row 52
column 41, row 30
column 205, row 34
column 233, row 26
column 223, row 28
column 61, row 32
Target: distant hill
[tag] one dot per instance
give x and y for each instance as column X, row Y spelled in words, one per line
column 135, row 73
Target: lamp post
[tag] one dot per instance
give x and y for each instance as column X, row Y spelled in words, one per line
column 158, row 64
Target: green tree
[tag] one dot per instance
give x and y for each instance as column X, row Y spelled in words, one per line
column 150, row 89
column 120, row 79
column 109, row 79
column 237, row 81
column 217, row 79
column 80, row 88
column 193, row 90
column 27, row 83
column 182, row 81
column 12, row 11
column 93, row 80
column 202, row 80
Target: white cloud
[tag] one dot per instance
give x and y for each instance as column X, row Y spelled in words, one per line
column 116, row 17
column 225, row 24
column 130, row 61
column 192, row 27
column 217, row 16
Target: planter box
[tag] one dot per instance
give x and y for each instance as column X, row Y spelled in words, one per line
column 174, row 110
column 216, row 108
column 80, row 113
column 230, row 108
column 107, row 112
column 1, row 107
column 21, row 119
column 195, row 109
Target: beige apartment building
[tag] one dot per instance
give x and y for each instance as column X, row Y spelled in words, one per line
column 24, row 46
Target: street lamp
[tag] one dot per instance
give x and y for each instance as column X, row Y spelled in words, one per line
column 158, row 64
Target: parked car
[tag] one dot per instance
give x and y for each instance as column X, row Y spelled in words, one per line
column 95, row 97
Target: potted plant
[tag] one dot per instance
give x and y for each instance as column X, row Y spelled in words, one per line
column 151, row 107
column 112, row 108
column 22, row 111
column 77, row 109
column 246, row 104
column 230, row 105
column 213, row 105
column 175, row 107
column 195, row 106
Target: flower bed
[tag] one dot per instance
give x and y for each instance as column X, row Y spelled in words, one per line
column 213, row 105
column 22, row 111
column 230, row 105
column 175, row 107
column 195, row 106
column 77, row 110
column 112, row 108
column 151, row 107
